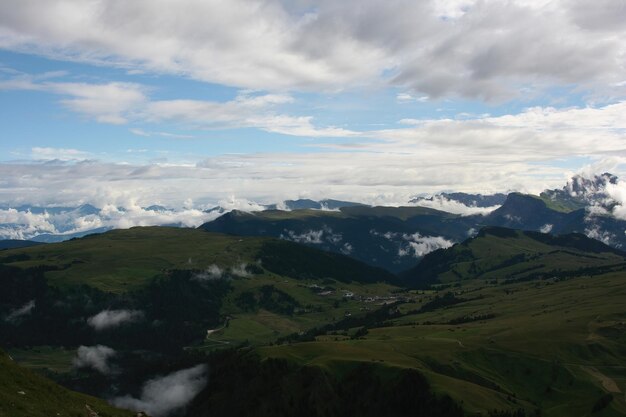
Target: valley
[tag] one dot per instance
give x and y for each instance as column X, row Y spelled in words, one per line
column 508, row 322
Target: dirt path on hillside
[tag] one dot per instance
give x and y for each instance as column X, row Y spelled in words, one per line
column 607, row 382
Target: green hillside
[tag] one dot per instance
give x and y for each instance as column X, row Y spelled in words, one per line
column 378, row 236
column 510, row 255
column 244, row 290
column 122, row 260
column 26, row 394
column 553, row 348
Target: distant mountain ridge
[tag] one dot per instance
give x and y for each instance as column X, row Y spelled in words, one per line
column 394, row 238
column 394, row 235
column 15, row 243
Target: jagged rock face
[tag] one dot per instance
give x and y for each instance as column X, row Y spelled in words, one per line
column 580, row 191
column 581, row 187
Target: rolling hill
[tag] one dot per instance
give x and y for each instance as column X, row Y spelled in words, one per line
column 393, row 238
column 511, row 255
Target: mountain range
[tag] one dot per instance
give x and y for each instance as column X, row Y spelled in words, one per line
column 392, row 238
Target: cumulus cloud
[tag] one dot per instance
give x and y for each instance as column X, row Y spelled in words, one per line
column 419, row 245
column 165, row 395
column 107, row 319
column 24, row 310
column 66, row 221
column 16, row 224
column 617, row 195
column 95, row 357
column 546, row 228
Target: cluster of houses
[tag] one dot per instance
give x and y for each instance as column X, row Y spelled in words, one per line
column 376, row 299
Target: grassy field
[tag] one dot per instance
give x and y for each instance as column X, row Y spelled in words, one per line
column 122, row 260
column 316, row 308
column 505, row 254
column 55, row 359
column 554, row 346
column 26, row 394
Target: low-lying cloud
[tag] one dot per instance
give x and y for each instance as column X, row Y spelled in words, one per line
column 240, row 270
column 95, row 357
column 546, row 228
column 165, row 395
column 107, row 319
column 439, row 202
column 30, row 222
column 212, row 272
column 314, row 237
column 419, row 245
column 24, row 310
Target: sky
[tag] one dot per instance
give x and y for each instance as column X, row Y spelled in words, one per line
column 194, row 103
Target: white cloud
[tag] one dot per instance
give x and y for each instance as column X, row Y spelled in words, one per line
column 96, row 357
column 439, row 202
column 112, row 102
column 595, row 232
column 406, row 97
column 23, row 224
column 617, row 192
column 120, row 103
column 240, row 270
column 546, row 228
column 107, row 103
column 61, row 154
column 523, row 152
column 211, row 273
column 165, row 395
column 455, row 48
column 419, row 245
column 107, row 319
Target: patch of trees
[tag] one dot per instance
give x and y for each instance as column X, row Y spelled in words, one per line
column 377, row 318
column 561, row 275
column 448, row 299
column 471, row 318
column 269, row 298
column 301, row 262
column 242, row 385
column 602, row 402
column 176, row 310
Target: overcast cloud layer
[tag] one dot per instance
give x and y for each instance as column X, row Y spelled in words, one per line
column 479, row 49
